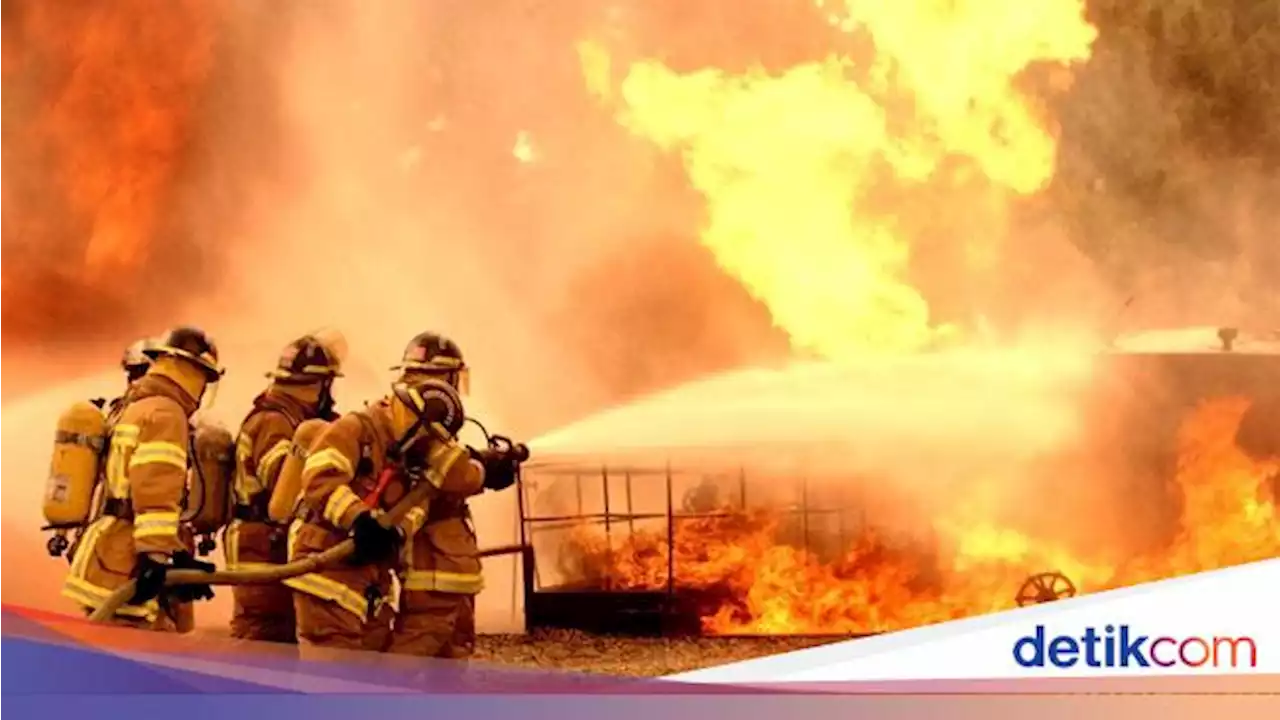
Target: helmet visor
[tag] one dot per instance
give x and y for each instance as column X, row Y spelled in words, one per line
column 210, row 396
column 462, row 381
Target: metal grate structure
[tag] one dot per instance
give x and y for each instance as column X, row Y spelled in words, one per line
column 605, row 500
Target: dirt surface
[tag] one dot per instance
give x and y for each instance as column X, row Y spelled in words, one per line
column 638, row 657
column 615, row 655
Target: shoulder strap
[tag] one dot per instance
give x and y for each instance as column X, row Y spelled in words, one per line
column 366, row 446
column 111, row 410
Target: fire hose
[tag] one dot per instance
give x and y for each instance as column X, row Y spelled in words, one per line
column 419, row 495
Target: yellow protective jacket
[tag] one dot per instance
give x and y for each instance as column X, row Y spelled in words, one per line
column 261, row 447
column 340, row 481
column 146, row 477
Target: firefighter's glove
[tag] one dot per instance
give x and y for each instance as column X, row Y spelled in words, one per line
column 499, row 468
column 149, row 577
column 190, row 593
column 374, row 543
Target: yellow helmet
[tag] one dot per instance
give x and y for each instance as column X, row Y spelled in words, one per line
column 190, row 344
column 333, row 339
column 430, row 354
column 307, row 360
column 135, row 361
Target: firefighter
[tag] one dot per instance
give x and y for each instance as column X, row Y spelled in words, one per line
column 362, row 464
column 441, row 572
column 300, row 390
column 135, row 364
column 139, row 534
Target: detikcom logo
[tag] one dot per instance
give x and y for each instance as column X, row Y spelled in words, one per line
column 1122, row 647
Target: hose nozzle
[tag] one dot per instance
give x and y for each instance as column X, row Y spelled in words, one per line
column 517, row 451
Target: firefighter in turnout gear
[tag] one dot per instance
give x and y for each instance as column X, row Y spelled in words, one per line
column 363, row 464
column 300, row 390
column 135, row 364
column 138, row 535
column 441, row 573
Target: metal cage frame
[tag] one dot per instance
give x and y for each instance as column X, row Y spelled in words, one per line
column 608, row 609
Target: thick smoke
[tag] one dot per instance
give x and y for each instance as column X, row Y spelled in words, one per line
column 1166, row 175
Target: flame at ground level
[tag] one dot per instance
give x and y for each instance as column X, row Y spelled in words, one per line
column 753, row 582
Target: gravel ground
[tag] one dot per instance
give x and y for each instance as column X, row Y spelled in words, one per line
column 613, row 655
column 635, row 657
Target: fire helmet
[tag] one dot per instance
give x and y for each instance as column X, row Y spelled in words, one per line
column 431, row 355
column 192, row 345
column 333, row 339
column 135, row 361
column 307, row 360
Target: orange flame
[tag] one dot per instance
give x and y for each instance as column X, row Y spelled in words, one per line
column 756, row 583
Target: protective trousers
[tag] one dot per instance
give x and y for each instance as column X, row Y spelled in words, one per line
column 439, row 577
column 262, row 612
column 427, row 623
column 324, row 625
column 434, row 624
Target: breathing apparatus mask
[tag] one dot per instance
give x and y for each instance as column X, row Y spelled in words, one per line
column 424, row 410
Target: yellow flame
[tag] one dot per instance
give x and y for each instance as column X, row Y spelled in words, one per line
column 524, row 149
column 789, row 163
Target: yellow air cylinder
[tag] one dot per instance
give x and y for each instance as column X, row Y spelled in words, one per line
column 208, row 502
column 289, row 483
column 73, row 472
